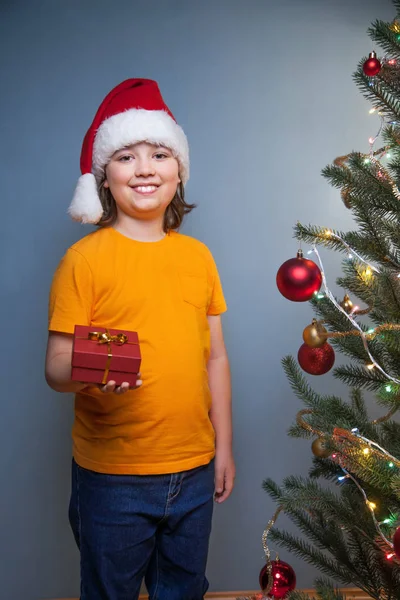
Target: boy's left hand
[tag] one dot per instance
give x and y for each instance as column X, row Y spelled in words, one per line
column 224, row 475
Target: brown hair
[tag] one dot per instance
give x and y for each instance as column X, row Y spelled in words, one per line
column 173, row 216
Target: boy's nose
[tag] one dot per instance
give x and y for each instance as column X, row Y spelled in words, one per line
column 144, row 168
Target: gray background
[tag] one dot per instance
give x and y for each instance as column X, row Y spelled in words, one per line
column 264, row 92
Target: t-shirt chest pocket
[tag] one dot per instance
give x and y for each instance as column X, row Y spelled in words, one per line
column 194, row 289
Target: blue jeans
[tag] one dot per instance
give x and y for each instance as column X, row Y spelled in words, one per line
column 132, row 526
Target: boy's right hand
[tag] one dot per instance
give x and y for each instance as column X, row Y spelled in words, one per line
column 112, row 387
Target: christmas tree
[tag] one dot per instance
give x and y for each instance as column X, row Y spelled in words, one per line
column 348, row 509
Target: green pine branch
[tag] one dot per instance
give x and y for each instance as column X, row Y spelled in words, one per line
column 387, row 39
column 324, row 589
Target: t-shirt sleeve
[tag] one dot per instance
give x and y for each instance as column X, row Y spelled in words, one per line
column 217, row 303
column 71, row 293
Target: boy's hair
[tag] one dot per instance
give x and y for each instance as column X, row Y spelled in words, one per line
column 173, row 216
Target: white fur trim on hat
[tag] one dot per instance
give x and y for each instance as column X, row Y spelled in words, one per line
column 139, row 125
column 86, row 206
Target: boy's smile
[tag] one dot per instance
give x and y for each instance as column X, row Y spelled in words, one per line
column 145, row 189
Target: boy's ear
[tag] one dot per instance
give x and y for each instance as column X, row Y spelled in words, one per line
column 105, row 184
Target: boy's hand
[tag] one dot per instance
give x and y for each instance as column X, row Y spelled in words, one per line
column 224, row 475
column 112, row 387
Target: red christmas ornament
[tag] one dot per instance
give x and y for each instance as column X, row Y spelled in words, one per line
column 283, row 579
column 396, row 542
column 316, row 361
column 372, row 66
column 298, row 278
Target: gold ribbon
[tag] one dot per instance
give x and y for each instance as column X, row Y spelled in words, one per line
column 267, row 551
column 105, row 337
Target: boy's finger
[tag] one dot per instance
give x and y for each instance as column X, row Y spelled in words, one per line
column 222, row 497
column 124, row 387
column 219, row 482
column 109, row 387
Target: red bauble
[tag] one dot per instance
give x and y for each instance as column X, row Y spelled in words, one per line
column 372, row 66
column 396, row 542
column 316, row 361
column 298, row 278
column 283, row 579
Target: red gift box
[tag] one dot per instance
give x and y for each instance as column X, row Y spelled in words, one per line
column 100, row 355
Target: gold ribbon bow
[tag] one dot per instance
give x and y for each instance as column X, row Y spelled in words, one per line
column 106, row 338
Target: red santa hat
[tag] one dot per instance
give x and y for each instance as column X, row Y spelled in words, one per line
column 134, row 111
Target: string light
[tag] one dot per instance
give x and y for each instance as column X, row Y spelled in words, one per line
column 372, row 140
column 371, row 366
column 331, row 297
column 351, row 251
column 372, row 507
column 377, row 448
column 366, row 451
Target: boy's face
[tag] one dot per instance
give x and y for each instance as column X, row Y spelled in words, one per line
column 143, row 179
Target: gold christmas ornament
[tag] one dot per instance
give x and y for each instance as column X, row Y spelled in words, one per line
column 319, row 448
column 346, row 304
column 315, row 335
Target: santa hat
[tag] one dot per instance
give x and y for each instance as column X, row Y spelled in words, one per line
column 134, row 111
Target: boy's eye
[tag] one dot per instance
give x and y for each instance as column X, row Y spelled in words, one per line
column 124, row 158
column 160, row 155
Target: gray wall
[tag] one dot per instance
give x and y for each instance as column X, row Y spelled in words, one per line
column 264, row 91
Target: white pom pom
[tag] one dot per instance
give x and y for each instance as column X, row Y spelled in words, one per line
column 86, row 206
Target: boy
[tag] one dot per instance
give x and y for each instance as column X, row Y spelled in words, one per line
column 147, row 461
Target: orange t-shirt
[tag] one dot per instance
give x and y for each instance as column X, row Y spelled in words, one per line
column 163, row 290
